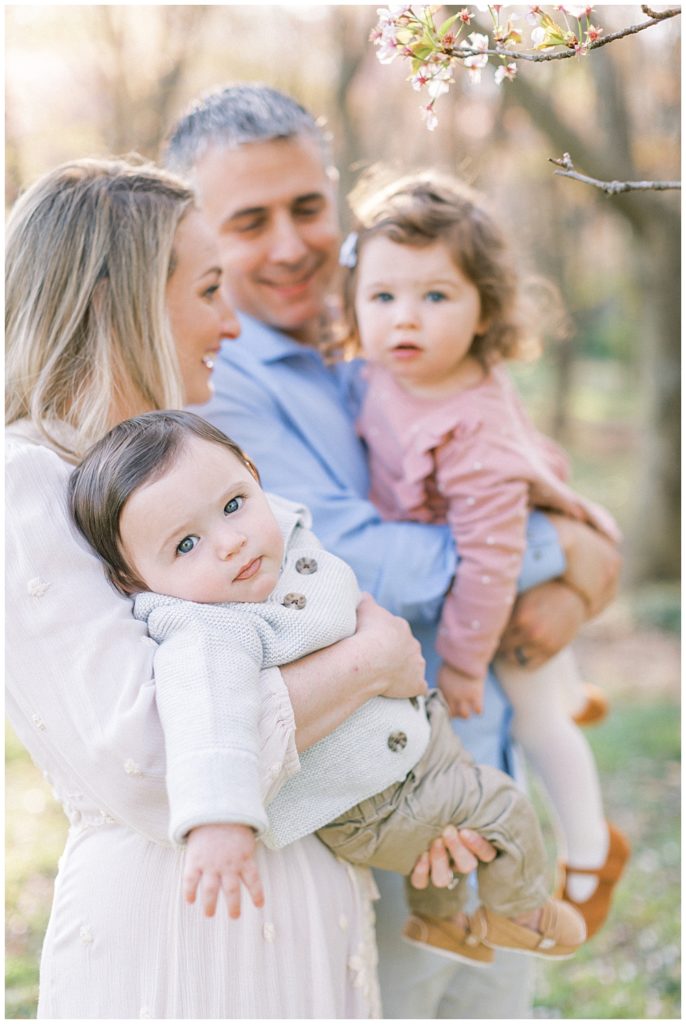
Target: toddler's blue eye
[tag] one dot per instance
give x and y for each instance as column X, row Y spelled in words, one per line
column 187, row 544
column 434, row 296
column 383, row 297
column 233, row 505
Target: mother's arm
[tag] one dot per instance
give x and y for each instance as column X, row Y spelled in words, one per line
column 382, row 658
column 80, row 687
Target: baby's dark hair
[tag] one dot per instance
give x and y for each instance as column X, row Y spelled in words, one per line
column 135, row 452
column 420, row 209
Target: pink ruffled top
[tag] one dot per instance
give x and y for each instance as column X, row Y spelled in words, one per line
column 473, row 460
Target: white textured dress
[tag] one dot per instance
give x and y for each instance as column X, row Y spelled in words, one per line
column 121, row 942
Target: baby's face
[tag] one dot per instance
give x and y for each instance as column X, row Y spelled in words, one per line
column 204, row 531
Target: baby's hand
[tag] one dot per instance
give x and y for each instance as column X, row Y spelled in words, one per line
column 463, row 694
column 221, row 857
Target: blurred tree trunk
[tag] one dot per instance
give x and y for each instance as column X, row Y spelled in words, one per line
column 142, row 98
column 350, row 57
column 654, row 543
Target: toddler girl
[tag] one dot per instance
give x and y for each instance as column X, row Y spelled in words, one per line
column 434, row 298
column 230, row 581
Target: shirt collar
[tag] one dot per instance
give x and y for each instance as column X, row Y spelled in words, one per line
column 268, row 344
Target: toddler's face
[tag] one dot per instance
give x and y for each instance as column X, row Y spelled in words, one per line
column 417, row 313
column 203, row 531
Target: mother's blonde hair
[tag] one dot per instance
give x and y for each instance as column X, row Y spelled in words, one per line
column 90, row 248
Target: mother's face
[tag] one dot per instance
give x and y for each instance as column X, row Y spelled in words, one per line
column 199, row 313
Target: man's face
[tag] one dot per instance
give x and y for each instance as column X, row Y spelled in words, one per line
column 273, row 206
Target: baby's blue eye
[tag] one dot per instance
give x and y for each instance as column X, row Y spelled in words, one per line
column 435, row 296
column 187, row 544
column 383, row 297
column 233, row 505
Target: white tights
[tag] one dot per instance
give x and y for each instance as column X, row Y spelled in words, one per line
column 542, row 701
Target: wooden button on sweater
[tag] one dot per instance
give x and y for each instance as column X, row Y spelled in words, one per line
column 397, row 741
column 306, row 566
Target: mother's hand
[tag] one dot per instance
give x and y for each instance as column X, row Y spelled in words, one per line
column 452, row 853
column 381, row 658
column 394, row 656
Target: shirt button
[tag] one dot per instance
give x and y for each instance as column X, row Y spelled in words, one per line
column 397, row 741
column 306, row 566
column 294, row 601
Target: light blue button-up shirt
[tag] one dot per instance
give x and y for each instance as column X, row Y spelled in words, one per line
column 295, row 417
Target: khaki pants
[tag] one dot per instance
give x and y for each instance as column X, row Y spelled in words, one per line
column 391, row 829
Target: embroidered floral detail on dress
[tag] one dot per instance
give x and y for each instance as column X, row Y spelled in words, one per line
column 356, row 968
column 37, row 587
column 363, row 963
column 268, row 931
column 144, row 1013
column 85, row 934
column 38, row 722
column 343, row 922
column 131, row 768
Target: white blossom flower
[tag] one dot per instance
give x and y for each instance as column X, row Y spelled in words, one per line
column 439, row 82
column 386, row 50
column 508, row 71
column 477, row 41
column 419, row 80
column 428, row 116
column 476, row 61
column 538, row 36
column 574, row 10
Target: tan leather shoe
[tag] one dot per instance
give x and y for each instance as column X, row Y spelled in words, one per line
column 595, row 909
column 596, row 707
column 447, row 938
column 560, row 933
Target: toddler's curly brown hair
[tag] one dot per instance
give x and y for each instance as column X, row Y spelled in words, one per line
column 420, row 209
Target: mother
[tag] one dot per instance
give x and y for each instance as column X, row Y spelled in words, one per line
column 114, row 307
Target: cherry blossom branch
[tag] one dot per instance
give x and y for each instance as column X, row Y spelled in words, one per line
column 612, row 188
column 501, row 51
column 432, row 50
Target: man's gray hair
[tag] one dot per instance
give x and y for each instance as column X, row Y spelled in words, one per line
column 235, row 115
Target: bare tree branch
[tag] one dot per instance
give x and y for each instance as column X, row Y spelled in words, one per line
column 612, row 188
column 460, row 52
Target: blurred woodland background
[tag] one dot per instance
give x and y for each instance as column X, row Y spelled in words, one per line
column 95, row 80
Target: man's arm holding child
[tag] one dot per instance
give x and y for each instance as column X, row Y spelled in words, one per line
column 547, row 617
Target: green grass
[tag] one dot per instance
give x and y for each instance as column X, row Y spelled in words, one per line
column 631, row 969
column 35, row 830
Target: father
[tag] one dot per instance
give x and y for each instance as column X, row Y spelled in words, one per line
column 263, row 171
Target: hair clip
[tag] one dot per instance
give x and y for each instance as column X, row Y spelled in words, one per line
column 347, row 256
